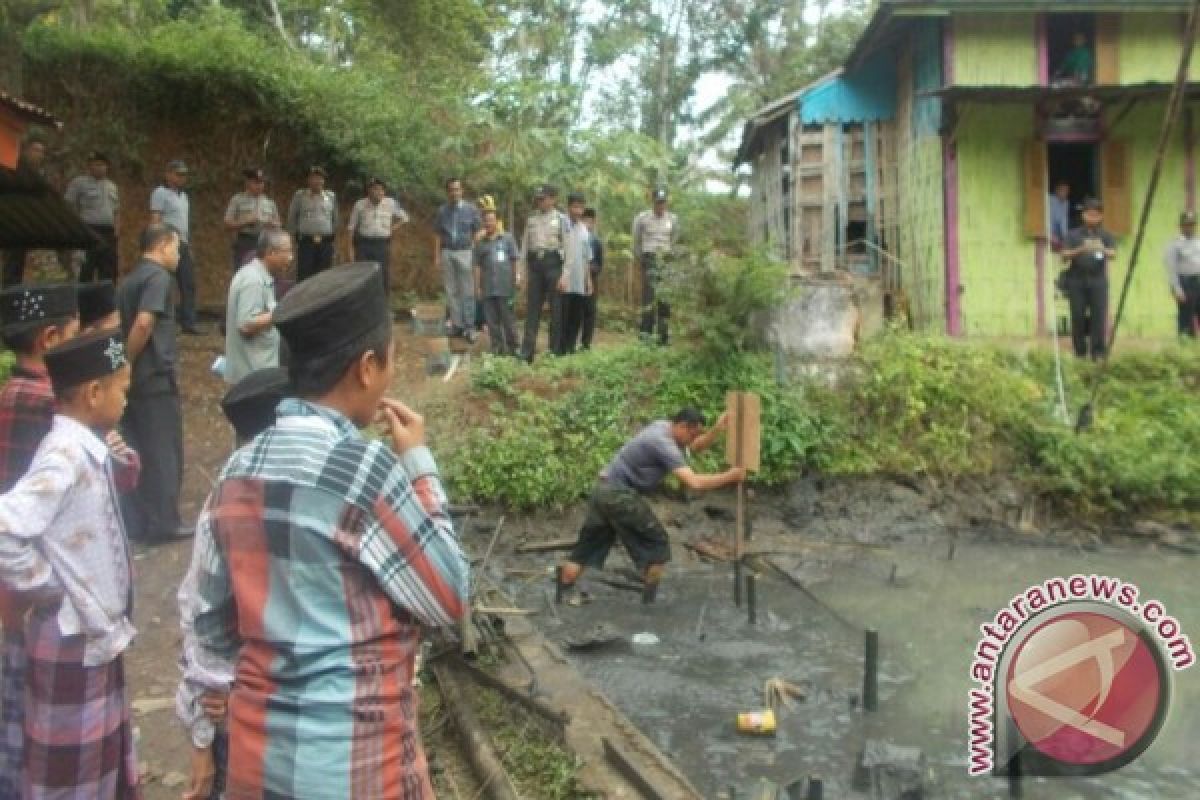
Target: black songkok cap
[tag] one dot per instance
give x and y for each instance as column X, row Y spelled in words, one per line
column 85, row 358
column 24, row 308
column 546, row 190
column 576, row 197
column 332, row 310
column 254, row 174
column 96, row 301
column 96, row 155
column 377, row 182
column 250, row 403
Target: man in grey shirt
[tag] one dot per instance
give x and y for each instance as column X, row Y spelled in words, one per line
column 169, row 206
column 617, row 509
column 251, row 341
column 95, row 198
column 1183, row 274
column 575, row 285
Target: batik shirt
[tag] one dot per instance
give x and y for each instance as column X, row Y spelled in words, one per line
column 318, row 557
column 26, row 414
column 61, row 533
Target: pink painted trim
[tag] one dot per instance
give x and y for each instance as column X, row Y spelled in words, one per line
column 950, row 196
column 953, row 267
column 1043, row 51
column 1040, row 279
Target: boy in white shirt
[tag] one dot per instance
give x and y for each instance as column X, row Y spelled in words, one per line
column 63, row 545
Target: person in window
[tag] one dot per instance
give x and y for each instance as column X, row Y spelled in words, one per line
column 1059, row 207
column 1077, row 67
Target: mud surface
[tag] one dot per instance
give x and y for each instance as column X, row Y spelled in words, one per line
column 921, row 566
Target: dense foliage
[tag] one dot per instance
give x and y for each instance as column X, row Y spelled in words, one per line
column 905, row 406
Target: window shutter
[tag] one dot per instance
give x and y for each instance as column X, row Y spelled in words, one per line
column 1116, row 178
column 1033, row 172
column 1108, row 34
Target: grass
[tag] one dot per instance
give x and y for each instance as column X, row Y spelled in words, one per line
column 905, row 405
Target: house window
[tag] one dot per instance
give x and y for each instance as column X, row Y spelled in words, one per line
column 1071, row 49
column 1075, row 165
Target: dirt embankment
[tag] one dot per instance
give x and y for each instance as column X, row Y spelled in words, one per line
column 97, row 116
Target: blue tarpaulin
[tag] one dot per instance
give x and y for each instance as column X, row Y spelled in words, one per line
column 868, row 94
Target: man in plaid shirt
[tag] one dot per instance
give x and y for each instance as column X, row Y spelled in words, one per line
column 34, row 319
column 319, row 556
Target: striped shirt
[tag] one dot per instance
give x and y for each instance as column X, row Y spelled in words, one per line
column 317, row 558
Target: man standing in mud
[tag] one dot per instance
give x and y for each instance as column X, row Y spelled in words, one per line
column 617, row 509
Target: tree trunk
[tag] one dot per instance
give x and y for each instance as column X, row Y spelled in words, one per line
column 277, row 21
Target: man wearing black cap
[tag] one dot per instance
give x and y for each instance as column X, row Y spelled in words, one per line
column 1183, row 274
column 63, row 545
column 154, row 419
column 1088, row 251
column 35, row 319
column 98, row 307
column 313, row 220
column 169, row 206
column 94, row 197
column 373, row 221
column 655, row 233
column 249, row 212
column 345, row 534
column 542, row 250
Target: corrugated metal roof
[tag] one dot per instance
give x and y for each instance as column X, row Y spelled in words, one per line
column 32, row 214
column 28, row 110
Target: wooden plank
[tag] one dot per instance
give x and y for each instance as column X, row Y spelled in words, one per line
column 743, row 443
column 546, row 546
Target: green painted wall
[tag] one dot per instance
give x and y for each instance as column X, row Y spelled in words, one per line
column 995, row 50
column 921, row 225
column 1149, row 48
column 1150, row 311
column 996, row 260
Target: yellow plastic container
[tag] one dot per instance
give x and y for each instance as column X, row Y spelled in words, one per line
column 761, row 723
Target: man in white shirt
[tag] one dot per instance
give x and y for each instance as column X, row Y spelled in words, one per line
column 251, row 341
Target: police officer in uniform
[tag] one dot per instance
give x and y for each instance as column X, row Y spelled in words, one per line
column 249, row 212
column 95, row 198
column 169, row 206
column 373, row 220
column 313, row 220
column 542, row 250
column 1183, row 274
column 655, row 233
column 1089, row 249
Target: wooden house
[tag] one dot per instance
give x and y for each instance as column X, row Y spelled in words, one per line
column 940, row 139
